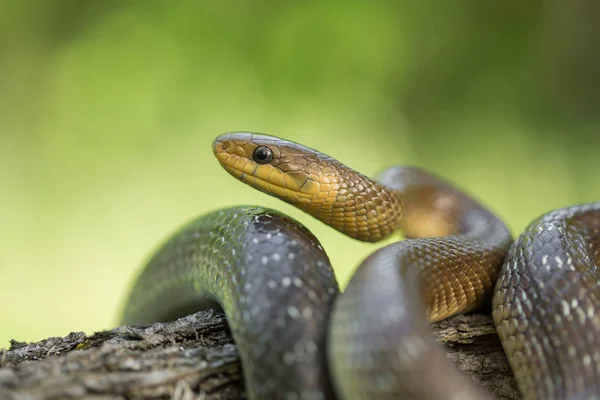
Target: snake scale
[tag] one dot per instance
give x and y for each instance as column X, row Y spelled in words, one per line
column 300, row 339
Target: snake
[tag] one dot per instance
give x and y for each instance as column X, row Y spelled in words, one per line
column 300, row 338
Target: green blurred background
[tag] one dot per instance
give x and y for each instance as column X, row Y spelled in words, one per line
column 108, row 110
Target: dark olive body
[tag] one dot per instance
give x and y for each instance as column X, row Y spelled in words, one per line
column 272, row 279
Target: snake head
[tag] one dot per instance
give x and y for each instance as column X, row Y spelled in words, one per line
column 312, row 181
column 278, row 167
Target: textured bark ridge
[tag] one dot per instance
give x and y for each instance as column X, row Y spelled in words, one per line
column 195, row 358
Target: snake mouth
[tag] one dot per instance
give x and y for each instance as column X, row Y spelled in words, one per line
column 274, row 186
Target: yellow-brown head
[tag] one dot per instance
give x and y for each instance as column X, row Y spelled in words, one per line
column 312, row 181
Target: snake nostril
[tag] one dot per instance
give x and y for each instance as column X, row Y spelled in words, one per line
column 219, row 146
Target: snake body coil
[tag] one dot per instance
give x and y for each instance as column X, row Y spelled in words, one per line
column 272, row 279
column 276, row 286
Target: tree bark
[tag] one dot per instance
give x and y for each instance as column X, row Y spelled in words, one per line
column 195, row 358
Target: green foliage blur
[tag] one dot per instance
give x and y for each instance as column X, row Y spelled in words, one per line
column 108, row 110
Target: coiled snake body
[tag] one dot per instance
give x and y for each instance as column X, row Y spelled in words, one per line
column 298, row 338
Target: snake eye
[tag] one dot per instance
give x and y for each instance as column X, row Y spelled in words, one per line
column 262, row 155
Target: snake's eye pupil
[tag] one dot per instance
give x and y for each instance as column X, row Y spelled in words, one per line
column 262, row 155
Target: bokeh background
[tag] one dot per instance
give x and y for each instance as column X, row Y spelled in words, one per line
column 108, row 110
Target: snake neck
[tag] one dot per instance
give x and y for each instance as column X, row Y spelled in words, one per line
column 353, row 204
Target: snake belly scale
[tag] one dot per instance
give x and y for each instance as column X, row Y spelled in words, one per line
column 300, row 339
